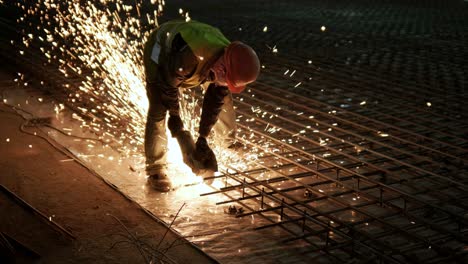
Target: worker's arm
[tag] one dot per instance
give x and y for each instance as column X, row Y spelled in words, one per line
column 169, row 94
column 179, row 65
column 212, row 104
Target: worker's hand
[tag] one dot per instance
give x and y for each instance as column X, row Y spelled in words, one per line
column 187, row 147
column 175, row 125
column 205, row 156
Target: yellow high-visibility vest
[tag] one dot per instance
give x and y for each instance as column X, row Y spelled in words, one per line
column 205, row 41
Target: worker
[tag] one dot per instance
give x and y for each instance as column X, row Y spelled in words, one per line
column 179, row 55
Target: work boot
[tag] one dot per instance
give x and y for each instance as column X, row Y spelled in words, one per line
column 159, row 181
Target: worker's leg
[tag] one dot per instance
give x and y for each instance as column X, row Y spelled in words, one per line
column 155, row 132
column 225, row 128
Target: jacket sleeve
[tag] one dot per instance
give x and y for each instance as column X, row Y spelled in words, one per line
column 169, row 94
column 178, row 64
column 212, row 105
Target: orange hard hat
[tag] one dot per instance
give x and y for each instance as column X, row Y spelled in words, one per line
column 242, row 66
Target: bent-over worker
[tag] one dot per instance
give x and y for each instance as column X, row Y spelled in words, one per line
column 180, row 55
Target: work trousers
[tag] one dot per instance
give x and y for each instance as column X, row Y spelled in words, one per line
column 155, row 131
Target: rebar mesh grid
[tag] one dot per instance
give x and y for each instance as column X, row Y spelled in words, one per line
column 333, row 179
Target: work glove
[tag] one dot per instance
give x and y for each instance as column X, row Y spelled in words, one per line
column 205, row 156
column 187, row 147
column 175, row 125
